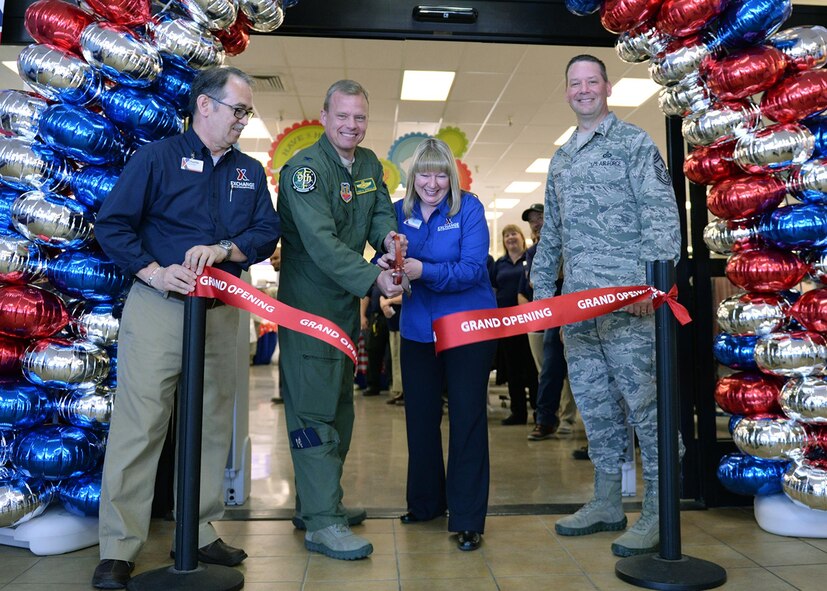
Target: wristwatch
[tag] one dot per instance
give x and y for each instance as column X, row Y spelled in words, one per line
column 227, row 246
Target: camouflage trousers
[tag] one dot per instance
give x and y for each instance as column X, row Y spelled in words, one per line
column 611, row 362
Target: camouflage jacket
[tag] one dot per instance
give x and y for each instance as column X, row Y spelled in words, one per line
column 609, row 208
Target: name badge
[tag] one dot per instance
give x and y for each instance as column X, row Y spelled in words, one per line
column 413, row 223
column 192, row 164
column 364, row 186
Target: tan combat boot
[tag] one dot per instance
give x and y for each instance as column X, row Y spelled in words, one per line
column 603, row 513
column 644, row 536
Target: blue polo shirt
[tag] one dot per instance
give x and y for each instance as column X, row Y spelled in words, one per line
column 505, row 277
column 170, row 197
column 453, row 252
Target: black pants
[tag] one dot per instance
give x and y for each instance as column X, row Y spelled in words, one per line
column 521, row 373
column 377, row 346
column 463, row 372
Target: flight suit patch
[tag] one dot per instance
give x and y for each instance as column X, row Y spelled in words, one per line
column 304, row 179
column 345, row 193
column 365, row 186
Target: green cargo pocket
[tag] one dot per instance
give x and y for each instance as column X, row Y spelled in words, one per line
column 321, row 378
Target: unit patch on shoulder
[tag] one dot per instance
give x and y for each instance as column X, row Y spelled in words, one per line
column 304, row 179
column 364, row 186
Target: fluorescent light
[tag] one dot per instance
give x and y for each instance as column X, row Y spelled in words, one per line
column 632, row 92
column 503, row 203
column 565, row 136
column 493, row 215
column 522, row 187
column 11, row 65
column 540, row 165
column 426, row 85
column 256, row 130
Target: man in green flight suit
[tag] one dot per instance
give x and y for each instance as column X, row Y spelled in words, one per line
column 332, row 201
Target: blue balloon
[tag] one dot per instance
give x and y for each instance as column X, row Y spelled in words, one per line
column 7, row 197
column 749, row 22
column 818, row 126
column 81, row 134
column 744, row 474
column 88, row 275
column 583, row 7
column 27, row 165
column 112, row 378
column 174, row 83
column 55, row 452
column 289, row 3
column 92, row 184
column 23, row 405
column 82, row 495
column 735, row 351
column 140, row 113
column 795, row 226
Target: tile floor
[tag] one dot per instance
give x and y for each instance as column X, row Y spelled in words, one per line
column 520, row 550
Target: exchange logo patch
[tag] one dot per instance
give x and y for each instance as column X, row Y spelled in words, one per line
column 304, row 179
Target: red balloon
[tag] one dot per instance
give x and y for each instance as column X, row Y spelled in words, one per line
column 797, row 96
column 765, row 270
column 618, row 16
column 11, row 354
column 680, row 18
column 28, row 312
column 743, row 73
column 745, row 195
column 811, row 310
column 236, row 38
column 707, row 165
column 749, row 393
column 58, row 23
column 122, row 12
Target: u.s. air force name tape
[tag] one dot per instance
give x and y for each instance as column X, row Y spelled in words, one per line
column 473, row 326
column 218, row 284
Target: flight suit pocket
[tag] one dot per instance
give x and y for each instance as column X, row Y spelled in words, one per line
column 321, row 379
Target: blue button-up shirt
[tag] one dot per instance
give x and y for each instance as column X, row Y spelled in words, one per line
column 453, row 252
column 170, row 197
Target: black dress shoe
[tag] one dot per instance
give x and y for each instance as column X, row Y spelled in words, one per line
column 513, row 420
column 219, row 553
column 112, row 574
column 409, row 518
column 468, row 540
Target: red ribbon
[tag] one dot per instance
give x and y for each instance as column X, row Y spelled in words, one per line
column 473, row 326
column 218, row 284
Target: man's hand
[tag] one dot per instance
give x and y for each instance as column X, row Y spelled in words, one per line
column 174, row 278
column 385, row 284
column 644, row 308
column 198, row 257
column 386, row 261
column 390, row 244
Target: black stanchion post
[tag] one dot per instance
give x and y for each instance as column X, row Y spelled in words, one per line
column 186, row 573
column 668, row 570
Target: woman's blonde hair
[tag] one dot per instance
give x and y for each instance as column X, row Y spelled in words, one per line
column 433, row 155
column 512, row 228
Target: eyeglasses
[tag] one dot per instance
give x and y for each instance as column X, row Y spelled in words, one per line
column 238, row 112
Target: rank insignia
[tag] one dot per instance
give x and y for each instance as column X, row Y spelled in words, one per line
column 304, row 179
column 365, row 186
column 344, row 191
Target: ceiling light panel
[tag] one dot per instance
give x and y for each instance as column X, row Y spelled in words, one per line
column 632, row 92
column 522, row 187
column 426, row 85
column 539, row 166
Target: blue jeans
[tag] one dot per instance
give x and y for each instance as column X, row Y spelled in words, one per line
column 551, row 378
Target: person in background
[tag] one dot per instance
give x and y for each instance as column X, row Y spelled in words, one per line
column 377, row 343
column 514, row 352
column 609, row 208
column 446, row 264
column 553, row 391
column 391, row 308
column 332, row 201
column 178, row 206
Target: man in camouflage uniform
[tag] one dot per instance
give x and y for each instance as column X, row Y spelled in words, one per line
column 609, row 208
column 333, row 201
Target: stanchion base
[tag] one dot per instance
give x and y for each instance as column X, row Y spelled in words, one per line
column 203, row 578
column 686, row 574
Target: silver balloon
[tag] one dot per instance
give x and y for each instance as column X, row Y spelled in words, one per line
column 212, row 14
column 689, row 95
column 640, row 44
column 774, row 148
column 28, row 165
column 21, row 261
column 187, row 42
column 805, row 399
column 20, row 112
column 674, row 65
column 120, row 54
column 61, row 363
column 58, row 75
column 720, row 122
column 809, row 181
column 799, row 353
column 722, row 235
column 98, row 323
column 264, row 15
column 23, row 499
column 817, row 260
column 89, row 407
column 6, row 439
column 746, row 313
column 770, row 438
column 52, row 220
column 806, row 484
column 805, row 47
